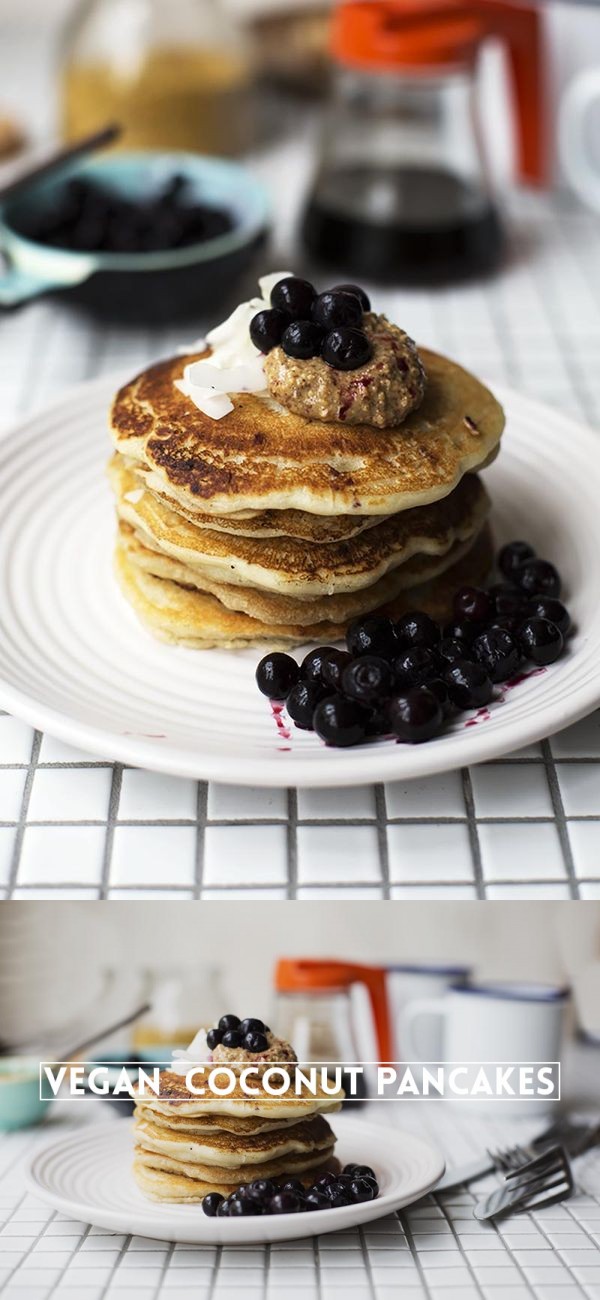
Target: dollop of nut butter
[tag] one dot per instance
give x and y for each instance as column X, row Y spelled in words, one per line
column 382, row 392
column 278, row 1052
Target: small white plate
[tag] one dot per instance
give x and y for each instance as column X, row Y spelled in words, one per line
column 89, row 1177
column 75, row 661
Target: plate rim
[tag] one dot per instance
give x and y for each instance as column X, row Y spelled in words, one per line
column 336, row 1220
column 373, row 764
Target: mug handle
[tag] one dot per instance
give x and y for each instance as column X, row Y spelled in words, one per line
column 408, row 1034
column 580, row 96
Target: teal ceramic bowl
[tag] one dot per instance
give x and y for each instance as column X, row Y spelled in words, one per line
column 20, row 1103
column 147, row 287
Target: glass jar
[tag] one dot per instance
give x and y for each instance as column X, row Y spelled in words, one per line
column 402, row 190
column 176, row 74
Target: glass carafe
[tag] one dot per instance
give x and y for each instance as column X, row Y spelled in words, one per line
column 174, row 73
column 402, row 190
column 314, row 1012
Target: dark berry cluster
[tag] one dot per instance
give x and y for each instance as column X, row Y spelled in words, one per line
column 87, row 216
column 306, row 324
column 405, row 679
column 356, row 1184
column 250, row 1034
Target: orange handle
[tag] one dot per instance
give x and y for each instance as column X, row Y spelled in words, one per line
column 521, row 28
column 296, row 975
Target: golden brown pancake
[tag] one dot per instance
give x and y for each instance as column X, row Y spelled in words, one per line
column 289, row 567
column 159, row 1185
column 231, row 1151
column 176, row 1099
column 262, row 457
column 199, row 1125
column 290, row 1165
column 192, row 617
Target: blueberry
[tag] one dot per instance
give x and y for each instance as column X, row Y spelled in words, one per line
column 469, row 686
column 337, row 307
column 346, row 348
column 302, row 339
column 416, row 715
column 368, row 679
column 317, row 1200
column 232, row 1038
column 312, row 664
column 211, row 1203
column 266, row 329
column 541, row 640
column 243, row 1206
column 294, row 297
column 284, row 1203
column 552, row 609
column 364, row 1171
column 256, row 1042
column 498, row 652
column 332, row 667
column 417, row 628
column 324, row 1180
column 302, row 702
column 440, row 689
column 337, row 1198
column 250, row 1026
column 377, row 722
column 361, row 1189
column 224, row 1208
column 350, row 1169
column 213, row 1038
column 507, row 601
column 276, row 674
column 355, row 289
column 294, row 1185
column 462, row 630
column 512, row 555
column 538, row 578
column 416, row 666
column 261, row 1190
column 372, row 636
column 340, row 722
column 228, row 1022
column 449, row 650
column 472, row 603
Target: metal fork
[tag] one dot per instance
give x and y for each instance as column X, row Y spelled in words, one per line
column 540, row 1182
column 574, row 1136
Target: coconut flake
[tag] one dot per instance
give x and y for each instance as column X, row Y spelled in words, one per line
column 234, row 365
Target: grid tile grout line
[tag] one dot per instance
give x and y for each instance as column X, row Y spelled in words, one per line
column 559, row 816
column 113, row 813
column 526, row 825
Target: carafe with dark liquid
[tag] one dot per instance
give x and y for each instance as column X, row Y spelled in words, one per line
column 402, row 191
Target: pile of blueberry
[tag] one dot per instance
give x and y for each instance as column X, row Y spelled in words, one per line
column 307, row 324
column 88, row 217
column 356, row 1184
column 406, row 678
column 251, row 1034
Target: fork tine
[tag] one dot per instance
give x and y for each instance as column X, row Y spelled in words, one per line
column 543, row 1181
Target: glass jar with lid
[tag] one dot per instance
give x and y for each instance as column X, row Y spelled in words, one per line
column 176, row 74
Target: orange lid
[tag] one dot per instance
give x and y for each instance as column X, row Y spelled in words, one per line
column 388, row 34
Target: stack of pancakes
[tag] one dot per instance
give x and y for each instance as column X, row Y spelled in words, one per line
column 267, row 527
column 189, row 1146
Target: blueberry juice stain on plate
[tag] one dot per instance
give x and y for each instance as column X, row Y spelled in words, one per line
column 407, row 680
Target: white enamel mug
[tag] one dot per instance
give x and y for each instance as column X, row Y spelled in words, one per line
column 490, row 1021
column 405, row 984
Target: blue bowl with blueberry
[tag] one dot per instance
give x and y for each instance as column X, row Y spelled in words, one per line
column 135, row 237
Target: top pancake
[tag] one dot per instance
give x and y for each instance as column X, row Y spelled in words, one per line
column 263, row 457
column 175, row 1097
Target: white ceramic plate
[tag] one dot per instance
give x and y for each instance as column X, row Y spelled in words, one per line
column 89, row 1177
column 74, row 660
